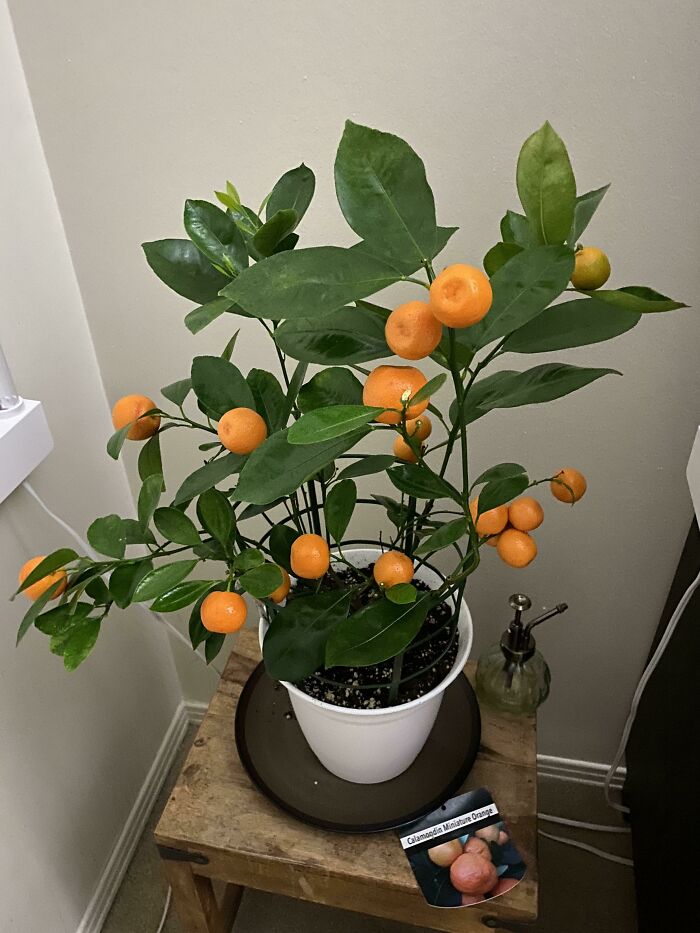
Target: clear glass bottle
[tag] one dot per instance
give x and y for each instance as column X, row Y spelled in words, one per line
column 512, row 675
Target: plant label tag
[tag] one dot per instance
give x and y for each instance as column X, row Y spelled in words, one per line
column 462, row 853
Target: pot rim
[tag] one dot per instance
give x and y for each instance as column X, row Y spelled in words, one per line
column 466, row 633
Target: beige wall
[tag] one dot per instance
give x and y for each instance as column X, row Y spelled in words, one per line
column 74, row 748
column 143, row 104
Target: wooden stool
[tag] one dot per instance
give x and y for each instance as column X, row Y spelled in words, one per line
column 217, row 825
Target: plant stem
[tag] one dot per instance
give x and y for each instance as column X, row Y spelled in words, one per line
column 315, row 516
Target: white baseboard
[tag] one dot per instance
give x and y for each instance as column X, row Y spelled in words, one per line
column 578, row 772
column 195, row 710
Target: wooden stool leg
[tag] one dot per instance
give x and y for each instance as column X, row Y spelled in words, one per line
column 195, row 903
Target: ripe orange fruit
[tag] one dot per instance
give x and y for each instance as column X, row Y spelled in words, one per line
column 402, row 451
column 128, row 409
column 472, row 874
column 223, row 612
column 241, row 430
column 310, row 557
column 421, row 427
column 591, row 268
column 493, row 540
column 41, row 586
column 491, row 522
column 516, row 548
column 460, row 295
column 572, row 478
column 525, row 514
column 387, row 385
column 445, row 853
column 393, row 567
column 281, row 592
column 412, row 331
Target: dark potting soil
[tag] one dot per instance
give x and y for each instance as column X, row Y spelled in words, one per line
column 341, row 685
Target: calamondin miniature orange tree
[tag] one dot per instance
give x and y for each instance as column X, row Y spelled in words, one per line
column 283, row 450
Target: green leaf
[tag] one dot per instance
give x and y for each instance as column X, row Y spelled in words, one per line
column 216, row 515
column 35, row 609
column 499, row 255
column 213, row 645
column 295, row 383
column 637, row 298
column 396, row 513
column 348, row 335
column 208, row 476
column 181, row 595
column 150, row 462
column 333, row 386
column 384, row 194
column 340, row 504
column 586, row 206
column 248, row 559
column 177, row 392
column 124, row 580
column 416, row 479
column 376, row 633
column 116, row 441
column 499, row 471
column 281, row 539
column 175, row 526
column 183, row 268
column 277, row 468
column 201, row 317
column 443, row 537
column 62, row 617
column 162, row 579
column 54, row 561
column 444, row 234
column 324, row 424
column 79, row 642
column 227, row 352
column 215, row 234
column 295, row 643
column 374, row 463
column 402, row 594
column 293, row 191
column 268, row 398
column 261, row 581
column 516, row 229
column 309, row 282
column 197, row 632
column 149, row 496
column 522, row 289
column 499, row 491
column 546, row 185
column 571, row 324
column 429, row 389
column 135, row 533
column 107, row 535
column 274, row 231
column 98, row 591
column 511, row 389
column 219, row 385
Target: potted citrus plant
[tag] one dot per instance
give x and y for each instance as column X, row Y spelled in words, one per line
column 365, row 637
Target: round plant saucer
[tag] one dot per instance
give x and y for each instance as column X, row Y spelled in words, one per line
column 276, row 756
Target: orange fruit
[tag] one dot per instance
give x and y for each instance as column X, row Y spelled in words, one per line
column 478, row 846
column 310, row 556
column 223, row 612
column 573, row 479
column 130, row 408
column 393, row 567
column 493, row 540
column 421, row 427
column 386, row 387
column 41, row 586
column 491, row 522
column 591, row 268
column 402, row 451
column 488, row 833
column 412, row 331
column 460, row 295
column 445, row 853
column 516, row 548
column 281, row 592
column 241, row 430
column 525, row 514
column 472, row 874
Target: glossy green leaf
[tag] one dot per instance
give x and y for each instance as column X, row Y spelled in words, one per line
column 499, row 471
column 35, row 609
column 201, row 317
column 295, row 383
column 98, row 591
column 268, row 398
column 261, row 581
column 295, row 644
column 406, row 266
column 429, row 389
column 135, row 533
column 62, row 617
column 571, row 324
column 498, row 256
column 181, row 266
column 546, row 185
column 293, row 191
column 402, row 594
column 277, row 468
column 207, row 477
column 196, row 630
column 274, row 231
column 324, row 424
column 384, row 194
column 280, row 542
column 374, row 463
column 500, row 491
column 248, row 559
column 213, row 645
column 116, row 441
column 54, row 561
column 585, row 208
column 416, row 479
column 107, row 535
column 124, row 580
column 348, row 335
column 181, row 595
column 150, row 461
column 215, row 234
column 227, row 352
column 216, row 515
column 379, row 631
column 443, row 537
column 516, row 229
column 175, row 526
column 396, row 513
column 219, row 385
column 79, row 642
column 309, row 282
column 333, row 386
column 636, row 298
column 177, row 392
column 149, row 496
column 339, row 506
column 162, row 579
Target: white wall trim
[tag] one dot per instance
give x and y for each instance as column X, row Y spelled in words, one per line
column 195, row 710
column 578, row 772
column 124, row 848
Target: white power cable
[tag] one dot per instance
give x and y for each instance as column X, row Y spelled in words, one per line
column 595, row 827
column 608, row 856
column 166, row 908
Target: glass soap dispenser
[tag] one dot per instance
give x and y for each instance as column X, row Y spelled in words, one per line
column 512, row 675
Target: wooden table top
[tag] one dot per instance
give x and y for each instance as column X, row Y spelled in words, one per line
column 216, row 812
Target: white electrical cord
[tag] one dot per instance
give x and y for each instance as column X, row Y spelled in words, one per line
column 166, row 908
column 595, row 827
column 608, row 856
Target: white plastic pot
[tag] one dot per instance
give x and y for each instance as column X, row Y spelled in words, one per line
column 368, row 746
